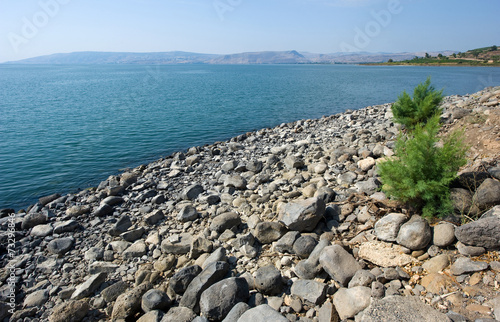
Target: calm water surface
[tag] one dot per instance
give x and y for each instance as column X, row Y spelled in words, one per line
column 64, row 128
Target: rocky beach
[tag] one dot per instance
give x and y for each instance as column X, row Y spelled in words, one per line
column 280, row 224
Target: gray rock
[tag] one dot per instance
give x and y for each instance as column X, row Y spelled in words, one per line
column 401, row 308
column 60, row 246
column 209, row 276
column 326, row 193
column 415, row 234
column 369, row 186
column 179, row 314
column 200, row 245
column 217, row 300
column 120, row 246
column 262, row 313
column 137, row 249
column 444, row 235
column 111, row 293
column 470, row 250
column 121, row 226
column 347, row 178
column 48, row 199
column 103, row 210
column 309, row 290
column 487, row 194
column 268, row 280
column 180, row 246
column 466, row 265
column 293, row 162
column 436, row 264
column 225, row 221
column 362, row 278
column 482, row 233
column 377, row 290
column 37, row 298
column 493, row 212
column 34, row 219
column 77, row 210
column 187, row 213
column 89, row 286
column 128, row 178
column 339, row 264
column 218, row 255
column 304, row 246
column 154, row 217
column 66, row 226
column 112, row 200
column 180, row 281
column 285, row 243
column 133, row 235
column 302, row 215
column 387, row 228
column 151, row 316
column 307, row 269
column 268, row 231
column 462, row 201
column 155, row 300
column 351, row 301
column 236, row 312
column 94, row 254
column 192, row 192
column 73, row 311
column 236, row 181
column 129, row 303
column 41, row 230
column 102, row 267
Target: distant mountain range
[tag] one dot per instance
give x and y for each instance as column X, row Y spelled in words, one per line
column 180, row 57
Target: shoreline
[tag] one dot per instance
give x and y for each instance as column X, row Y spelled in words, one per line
column 263, row 215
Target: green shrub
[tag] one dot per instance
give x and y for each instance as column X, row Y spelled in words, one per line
column 424, row 105
column 420, row 172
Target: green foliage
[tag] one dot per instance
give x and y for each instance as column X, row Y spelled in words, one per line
column 424, row 104
column 422, row 169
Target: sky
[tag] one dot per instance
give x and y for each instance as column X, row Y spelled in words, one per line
column 30, row 28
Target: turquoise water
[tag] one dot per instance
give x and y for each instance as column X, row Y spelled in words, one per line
column 64, row 128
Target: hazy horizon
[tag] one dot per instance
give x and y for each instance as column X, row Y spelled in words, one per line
column 35, row 28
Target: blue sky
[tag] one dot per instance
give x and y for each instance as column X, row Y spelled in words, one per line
column 32, row 28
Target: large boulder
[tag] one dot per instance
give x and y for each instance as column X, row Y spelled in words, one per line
column 268, row 280
column 387, row 228
column 483, row 233
column 302, row 215
column 217, row 300
column 487, row 194
column 309, row 290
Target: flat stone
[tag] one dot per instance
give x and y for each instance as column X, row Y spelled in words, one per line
column 200, row 245
column 415, row 234
column 466, row 265
column 236, row 181
column 41, row 230
column 401, row 308
column 262, row 313
column 121, row 226
column 102, row 267
column 302, row 215
column 384, row 254
column 37, row 298
column 309, row 290
column 77, row 210
column 436, row 283
column 351, row 301
column 48, row 199
column 387, row 227
column 179, row 247
column 192, row 192
column 111, row 293
column 470, row 250
column 120, row 246
column 137, row 249
column 112, row 200
column 89, row 286
column 218, row 300
column 482, row 233
column 293, row 162
column 60, row 246
column 34, row 219
column 154, row 217
column 339, row 264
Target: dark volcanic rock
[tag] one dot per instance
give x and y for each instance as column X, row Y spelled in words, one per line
column 217, row 300
column 483, row 233
column 302, row 215
column 180, row 281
